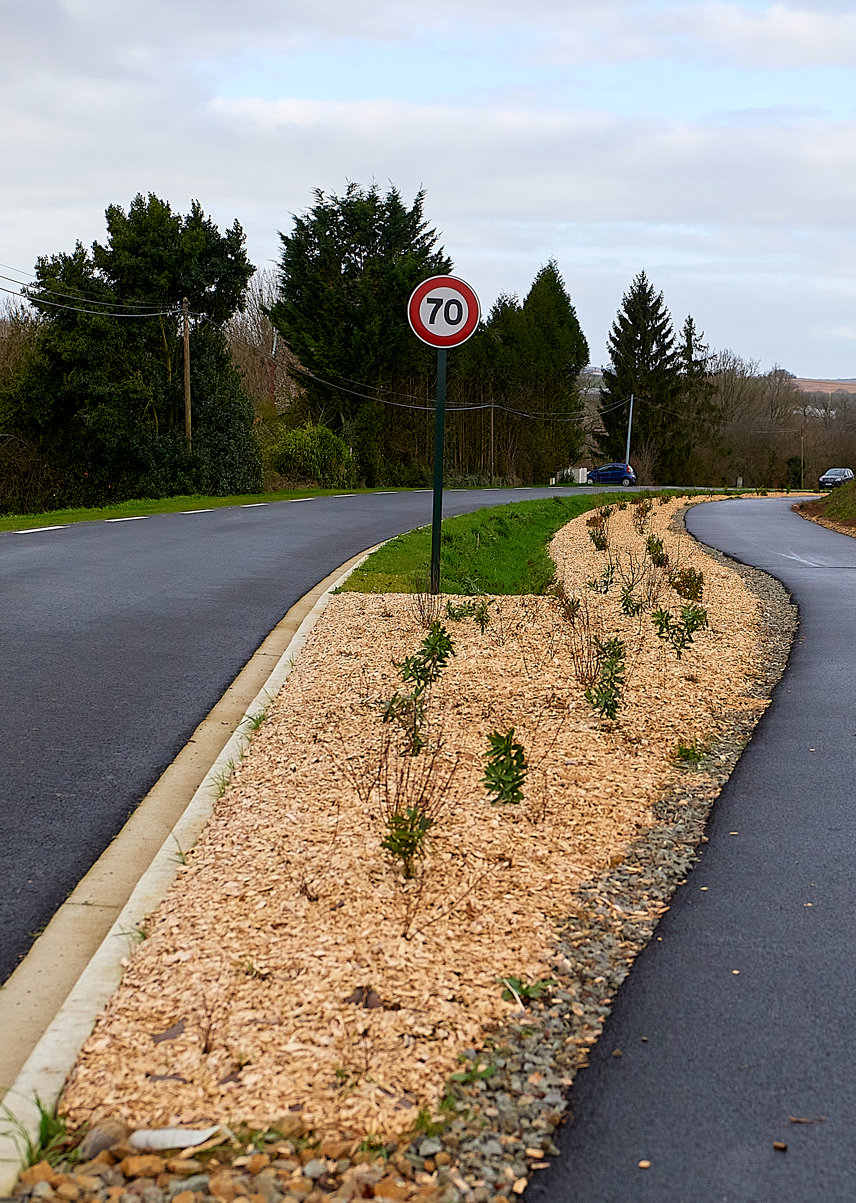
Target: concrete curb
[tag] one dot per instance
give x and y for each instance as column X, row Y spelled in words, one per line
column 43, row 1075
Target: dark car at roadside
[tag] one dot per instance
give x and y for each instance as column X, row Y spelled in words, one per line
column 834, row 477
column 612, row 474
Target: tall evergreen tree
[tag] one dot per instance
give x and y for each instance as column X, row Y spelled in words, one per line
column 644, row 362
column 347, row 270
column 528, row 358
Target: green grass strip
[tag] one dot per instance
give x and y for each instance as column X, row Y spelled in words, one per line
column 840, row 505
column 501, row 550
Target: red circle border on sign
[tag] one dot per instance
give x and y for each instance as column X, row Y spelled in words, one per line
column 443, row 340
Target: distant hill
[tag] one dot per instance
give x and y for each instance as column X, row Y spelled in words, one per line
column 826, row 386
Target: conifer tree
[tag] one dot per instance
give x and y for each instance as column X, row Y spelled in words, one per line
column 644, row 362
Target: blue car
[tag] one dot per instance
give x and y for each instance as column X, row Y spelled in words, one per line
column 612, row 474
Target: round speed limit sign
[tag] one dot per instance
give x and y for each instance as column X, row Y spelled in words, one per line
column 443, row 311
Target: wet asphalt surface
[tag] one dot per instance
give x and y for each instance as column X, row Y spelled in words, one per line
column 117, row 638
column 731, row 1056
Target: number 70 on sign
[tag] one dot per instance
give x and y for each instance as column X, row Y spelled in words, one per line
column 443, row 311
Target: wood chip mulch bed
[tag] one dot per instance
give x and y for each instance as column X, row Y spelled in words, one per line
column 293, row 971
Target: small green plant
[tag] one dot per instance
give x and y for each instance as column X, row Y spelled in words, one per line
column 604, row 584
column 519, row 990
column 481, row 617
column 50, row 1142
column 629, row 605
column 425, row 666
column 506, row 769
column 599, row 539
column 658, row 555
column 254, row 721
column 688, row 583
column 679, row 632
column 622, row 505
column 407, row 710
column 179, row 854
column 569, row 606
column 690, row 752
column 374, row 1146
column 426, row 1126
column 605, row 696
column 420, row 670
column 641, row 512
column 477, row 611
column 221, row 780
column 405, row 837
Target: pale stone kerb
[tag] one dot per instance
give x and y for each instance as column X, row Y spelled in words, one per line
column 43, row 1075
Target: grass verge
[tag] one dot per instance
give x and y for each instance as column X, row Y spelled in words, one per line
column 502, row 550
column 838, row 506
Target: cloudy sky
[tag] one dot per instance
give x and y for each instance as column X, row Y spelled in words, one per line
column 712, row 144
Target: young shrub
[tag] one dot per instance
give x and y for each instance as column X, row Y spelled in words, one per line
column 425, row 666
column 656, row 551
column 506, row 769
column 629, row 605
column 605, row 696
column 679, row 632
column 688, row 583
column 407, row 711
column 641, row 511
column 412, row 794
column 405, row 838
column 604, row 584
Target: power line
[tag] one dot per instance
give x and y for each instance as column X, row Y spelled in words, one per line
column 29, row 289
column 87, row 312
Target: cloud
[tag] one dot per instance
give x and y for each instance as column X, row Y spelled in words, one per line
column 744, row 219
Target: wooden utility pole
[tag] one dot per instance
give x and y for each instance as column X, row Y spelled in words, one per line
column 187, row 430
column 492, row 461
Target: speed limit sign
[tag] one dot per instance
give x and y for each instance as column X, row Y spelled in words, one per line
column 443, row 311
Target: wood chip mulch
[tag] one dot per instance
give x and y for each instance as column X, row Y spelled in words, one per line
column 292, row 968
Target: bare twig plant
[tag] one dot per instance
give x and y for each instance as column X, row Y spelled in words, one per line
column 409, row 793
column 424, row 606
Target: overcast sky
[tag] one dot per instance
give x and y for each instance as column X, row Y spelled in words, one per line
column 712, row 144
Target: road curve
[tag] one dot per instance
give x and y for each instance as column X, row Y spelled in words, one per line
column 117, row 638
column 729, row 1058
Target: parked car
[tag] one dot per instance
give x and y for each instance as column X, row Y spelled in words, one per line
column 835, row 476
column 612, row 474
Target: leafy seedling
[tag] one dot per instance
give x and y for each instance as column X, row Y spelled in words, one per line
column 517, row 989
column 506, row 769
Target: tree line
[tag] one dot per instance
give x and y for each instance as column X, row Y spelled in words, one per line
column 311, row 373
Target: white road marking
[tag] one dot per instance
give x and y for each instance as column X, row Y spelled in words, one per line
column 810, row 563
column 32, row 530
column 343, row 494
column 252, row 505
column 385, row 492
column 135, row 518
column 210, row 510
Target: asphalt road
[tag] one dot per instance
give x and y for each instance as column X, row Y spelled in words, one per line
column 729, row 1058
column 117, row 638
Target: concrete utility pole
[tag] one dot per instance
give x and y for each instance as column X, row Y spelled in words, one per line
column 186, row 318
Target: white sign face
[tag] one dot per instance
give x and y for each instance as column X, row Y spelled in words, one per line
column 443, row 311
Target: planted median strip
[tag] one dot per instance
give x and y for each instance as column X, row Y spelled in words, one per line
column 412, row 942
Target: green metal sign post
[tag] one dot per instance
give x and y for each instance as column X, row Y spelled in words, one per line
column 443, row 312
